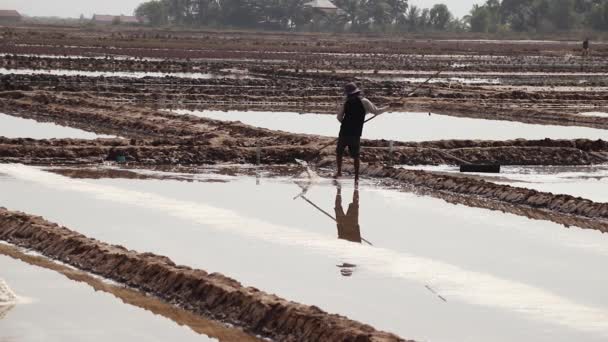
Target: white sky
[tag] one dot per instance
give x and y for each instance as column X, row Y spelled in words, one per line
column 73, row 8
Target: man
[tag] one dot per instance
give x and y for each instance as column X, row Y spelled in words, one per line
column 586, row 47
column 352, row 117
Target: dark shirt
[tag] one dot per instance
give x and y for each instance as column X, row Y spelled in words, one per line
column 354, row 117
column 586, row 44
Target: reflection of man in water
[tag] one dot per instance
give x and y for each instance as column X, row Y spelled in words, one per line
column 348, row 225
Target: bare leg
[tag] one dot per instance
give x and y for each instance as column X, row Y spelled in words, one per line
column 339, row 165
column 357, row 163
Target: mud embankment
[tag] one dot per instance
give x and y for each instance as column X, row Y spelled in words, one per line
column 320, row 95
column 188, row 152
column 133, row 297
column 562, row 209
column 214, row 60
column 212, row 295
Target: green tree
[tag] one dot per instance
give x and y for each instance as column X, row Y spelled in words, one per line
column 517, row 14
column 598, row 16
column 412, row 19
column 154, row 11
column 480, row 19
column 378, row 12
column 485, row 18
column 354, row 14
column 440, row 16
column 562, row 14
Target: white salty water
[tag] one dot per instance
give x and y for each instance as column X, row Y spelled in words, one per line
column 590, row 182
column 504, row 277
column 405, row 126
column 15, row 127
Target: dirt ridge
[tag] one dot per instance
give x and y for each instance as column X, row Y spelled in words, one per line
column 212, row 295
column 566, row 210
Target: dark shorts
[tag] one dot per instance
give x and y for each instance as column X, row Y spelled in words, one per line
column 353, row 144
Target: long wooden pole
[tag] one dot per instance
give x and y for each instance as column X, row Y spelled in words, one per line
column 375, row 116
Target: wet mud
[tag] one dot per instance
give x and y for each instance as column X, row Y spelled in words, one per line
column 132, row 297
column 317, row 94
column 212, row 295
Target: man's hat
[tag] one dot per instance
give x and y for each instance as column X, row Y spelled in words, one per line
column 351, row 89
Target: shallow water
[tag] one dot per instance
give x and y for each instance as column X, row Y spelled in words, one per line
column 406, row 126
column 597, row 114
column 474, row 80
column 470, row 74
column 590, row 182
column 503, row 277
column 131, row 74
column 101, row 57
column 15, row 127
column 59, row 310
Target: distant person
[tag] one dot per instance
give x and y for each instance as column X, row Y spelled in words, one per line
column 352, row 117
column 586, row 47
column 348, row 225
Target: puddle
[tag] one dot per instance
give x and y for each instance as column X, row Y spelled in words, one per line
column 597, row 114
column 64, row 310
column 502, row 276
column 108, row 57
column 462, row 80
column 590, row 182
column 368, row 72
column 406, row 126
column 130, row 74
column 15, row 127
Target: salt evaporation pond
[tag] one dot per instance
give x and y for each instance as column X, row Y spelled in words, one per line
column 15, row 127
column 504, row 277
column 58, row 309
column 405, row 126
column 130, row 74
column 590, row 182
column 596, row 114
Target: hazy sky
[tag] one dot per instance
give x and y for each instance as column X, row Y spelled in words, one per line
column 73, row 8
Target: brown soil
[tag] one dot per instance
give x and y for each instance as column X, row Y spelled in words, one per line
column 301, row 93
column 159, row 137
column 212, row 295
column 129, row 296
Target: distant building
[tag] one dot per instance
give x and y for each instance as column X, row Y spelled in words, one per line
column 324, row 6
column 111, row 19
column 9, row 17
